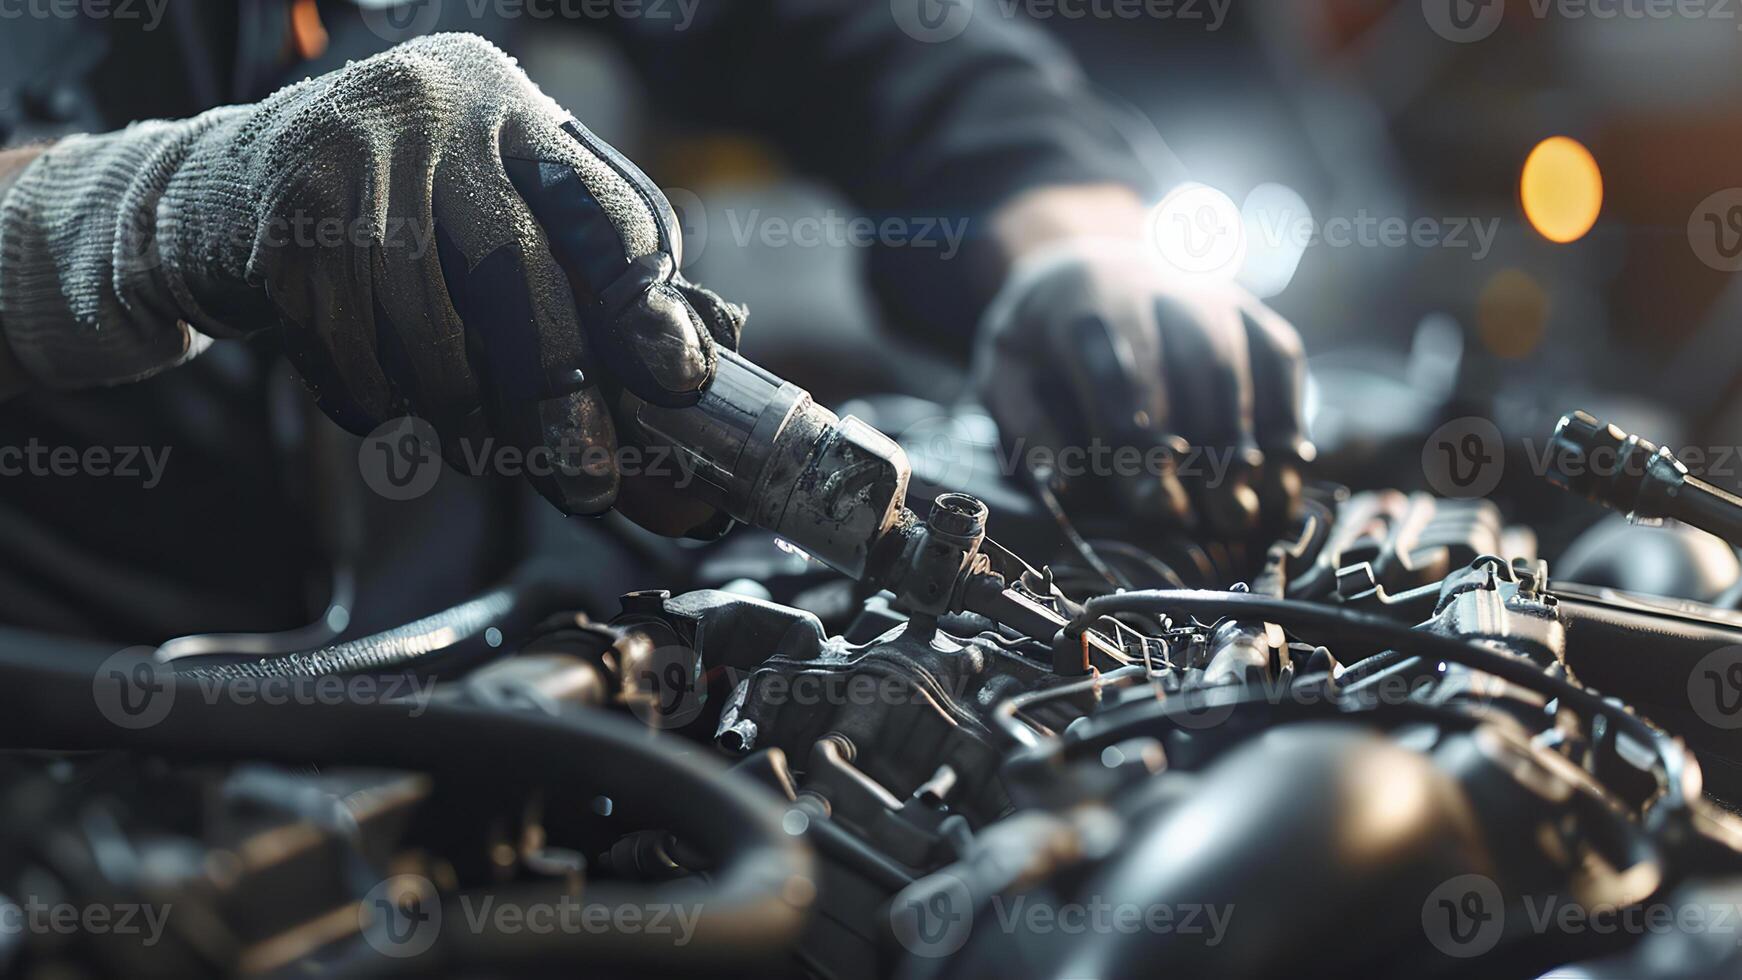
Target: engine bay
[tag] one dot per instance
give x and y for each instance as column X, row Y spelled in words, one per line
column 1390, row 740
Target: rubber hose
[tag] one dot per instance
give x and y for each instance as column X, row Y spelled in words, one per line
column 457, row 634
column 752, row 910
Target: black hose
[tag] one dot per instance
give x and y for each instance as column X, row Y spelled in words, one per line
column 1679, row 769
column 754, row 906
column 462, row 634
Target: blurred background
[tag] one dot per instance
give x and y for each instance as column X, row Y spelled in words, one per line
column 1603, row 284
column 1493, row 210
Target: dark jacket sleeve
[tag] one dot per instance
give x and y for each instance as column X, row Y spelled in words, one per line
column 948, row 127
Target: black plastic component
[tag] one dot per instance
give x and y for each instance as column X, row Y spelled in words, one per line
column 1641, row 479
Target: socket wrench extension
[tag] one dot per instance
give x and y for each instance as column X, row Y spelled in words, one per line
column 760, row 449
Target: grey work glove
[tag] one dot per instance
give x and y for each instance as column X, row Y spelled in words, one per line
column 1091, row 354
column 435, row 236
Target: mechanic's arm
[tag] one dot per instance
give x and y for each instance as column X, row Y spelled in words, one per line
column 977, row 117
column 12, row 163
column 947, row 128
column 431, row 234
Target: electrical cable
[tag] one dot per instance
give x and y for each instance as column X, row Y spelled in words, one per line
column 1680, row 771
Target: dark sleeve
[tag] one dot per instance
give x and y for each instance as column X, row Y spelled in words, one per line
column 946, row 128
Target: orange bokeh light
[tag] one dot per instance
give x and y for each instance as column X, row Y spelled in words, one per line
column 1561, row 189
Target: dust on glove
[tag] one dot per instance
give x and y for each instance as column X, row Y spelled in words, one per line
column 433, row 234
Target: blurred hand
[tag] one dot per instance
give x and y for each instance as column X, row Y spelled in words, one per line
column 1180, row 403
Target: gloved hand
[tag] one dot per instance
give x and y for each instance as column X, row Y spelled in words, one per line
column 1091, row 352
column 435, row 236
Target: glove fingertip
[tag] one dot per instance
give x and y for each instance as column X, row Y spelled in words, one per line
column 571, row 451
column 659, row 348
column 724, row 319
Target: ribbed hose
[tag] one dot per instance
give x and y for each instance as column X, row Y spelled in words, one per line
column 383, row 651
column 454, row 633
column 753, row 908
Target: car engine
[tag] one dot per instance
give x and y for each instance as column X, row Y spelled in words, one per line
column 1384, row 739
